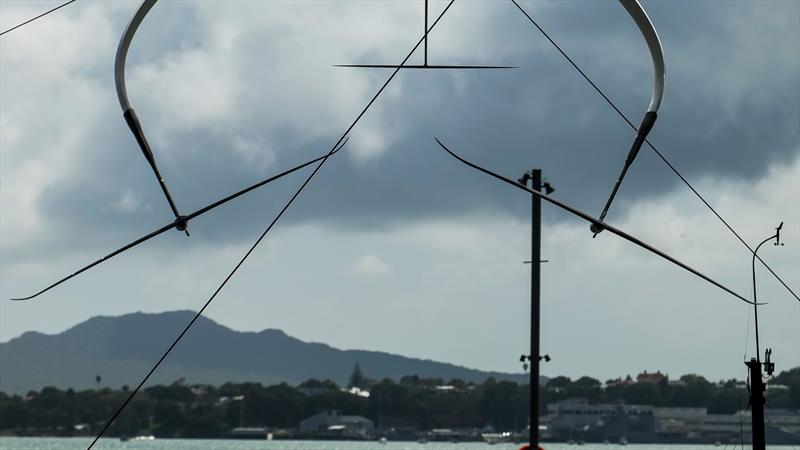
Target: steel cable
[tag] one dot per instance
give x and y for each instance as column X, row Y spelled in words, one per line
column 261, row 237
column 649, row 144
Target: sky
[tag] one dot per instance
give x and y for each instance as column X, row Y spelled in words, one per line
column 395, row 246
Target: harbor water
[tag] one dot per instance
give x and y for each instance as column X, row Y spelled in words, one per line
column 7, row 443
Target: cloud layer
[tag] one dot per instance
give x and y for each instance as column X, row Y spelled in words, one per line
column 232, row 92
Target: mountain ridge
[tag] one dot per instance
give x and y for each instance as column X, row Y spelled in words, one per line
column 122, row 348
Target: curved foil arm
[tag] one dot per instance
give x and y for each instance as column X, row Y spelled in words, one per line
column 130, row 115
column 647, row 29
column 122, row 52
column 656, row 51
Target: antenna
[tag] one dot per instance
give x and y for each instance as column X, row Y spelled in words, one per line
column 777, row 237
column 425, row 64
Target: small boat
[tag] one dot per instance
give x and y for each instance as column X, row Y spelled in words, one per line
column 382, row 441
column 495, row 438
column 148, row 437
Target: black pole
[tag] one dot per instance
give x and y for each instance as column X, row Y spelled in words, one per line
column 757, row 387
column 757, row 403
column 536, row 265
column 425, row 31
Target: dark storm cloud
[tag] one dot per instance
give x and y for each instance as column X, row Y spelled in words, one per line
column 543, row 114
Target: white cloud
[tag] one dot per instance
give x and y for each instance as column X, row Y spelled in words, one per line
column 129, row 202
column 50, row 102
column 370, row 266
column 255, row 156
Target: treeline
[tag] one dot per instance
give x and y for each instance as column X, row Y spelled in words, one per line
column 725, row 397
column 200, row 411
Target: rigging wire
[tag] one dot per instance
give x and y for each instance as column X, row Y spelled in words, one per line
column 177, row 222
column 37, row 17
column 267, row 230
column 649, row 144
column 747, row 335
column 598, row 223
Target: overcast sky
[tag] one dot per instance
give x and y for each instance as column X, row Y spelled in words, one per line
column 395, row 246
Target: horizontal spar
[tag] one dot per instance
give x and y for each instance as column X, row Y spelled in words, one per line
column 421, row 66
column 599, row 223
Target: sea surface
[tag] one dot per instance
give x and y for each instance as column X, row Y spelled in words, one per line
column 206, row 444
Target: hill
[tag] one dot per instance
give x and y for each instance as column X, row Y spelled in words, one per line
column 122, row 349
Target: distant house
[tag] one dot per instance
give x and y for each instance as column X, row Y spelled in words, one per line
column 620, row 382
column 334, row 423
column 654, row 378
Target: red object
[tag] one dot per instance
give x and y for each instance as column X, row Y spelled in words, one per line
column 528, row 447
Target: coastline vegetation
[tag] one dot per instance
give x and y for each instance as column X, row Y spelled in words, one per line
column 203, row 411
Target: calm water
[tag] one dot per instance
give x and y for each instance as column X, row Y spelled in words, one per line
column 191, row 444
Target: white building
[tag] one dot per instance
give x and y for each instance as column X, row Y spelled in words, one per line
column 332, row 422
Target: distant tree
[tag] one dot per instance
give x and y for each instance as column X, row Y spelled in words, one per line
column 643, row 394
column 790, row 378
column 310, row 383
column 696, row 391
column 587, row 382
column 458, row 384
column 356, row 377
column 330, row 384
column 730, row 398
column 409, row 379
column 319, row 386
column 587, row 387
column 97, row 380
column 559, row 382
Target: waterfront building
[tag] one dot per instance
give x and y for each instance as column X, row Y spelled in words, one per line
column 333, row 423
column 679, row 422
column 577, row 419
